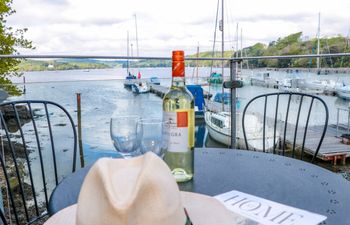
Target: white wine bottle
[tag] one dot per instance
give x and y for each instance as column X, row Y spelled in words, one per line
column 178, row 114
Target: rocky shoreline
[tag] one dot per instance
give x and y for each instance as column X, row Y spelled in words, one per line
column 3, row 95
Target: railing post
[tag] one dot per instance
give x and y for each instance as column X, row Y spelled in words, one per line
column 348, row 127
column 80, row 141
column 233, row 84
column 233, row 75
column 338, row 109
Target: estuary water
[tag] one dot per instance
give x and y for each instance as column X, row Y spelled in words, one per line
column 103, row 94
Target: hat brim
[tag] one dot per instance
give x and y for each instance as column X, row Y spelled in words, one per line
column 202, row 210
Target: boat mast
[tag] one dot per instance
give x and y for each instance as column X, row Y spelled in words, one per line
column 127, row 53
column 318, row 41
column 195, row 69
column 347, row 41
column 132, row 49
column 237, row 53
column 216, row 24
column 221, row 28
column 222, row 37
column 137, row 45
column 241, row 48
column 197, row 63
column 137, row 38
column 237, row 42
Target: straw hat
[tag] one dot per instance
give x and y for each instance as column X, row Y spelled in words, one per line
column 139, row 191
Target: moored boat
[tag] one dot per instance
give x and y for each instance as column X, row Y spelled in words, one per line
column 263, row 80
column 225, row 98
column 215, row 78
column 129, row 80
column 321, row 86
column 140, row 87
column 343, row 92
column 219, row 128
column 154, row 80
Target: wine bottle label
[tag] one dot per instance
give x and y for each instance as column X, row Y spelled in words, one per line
column 177, row 130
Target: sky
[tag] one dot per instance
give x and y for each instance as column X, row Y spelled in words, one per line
column 100, row 27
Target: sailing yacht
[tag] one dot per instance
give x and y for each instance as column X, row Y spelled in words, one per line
column 135, row 83
column 218, row 124
column 343, row 91
column 130, row 78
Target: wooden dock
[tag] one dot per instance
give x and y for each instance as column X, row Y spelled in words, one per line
column 160, row 91
column 296, row 88
column 323, row 71
column 332, row 148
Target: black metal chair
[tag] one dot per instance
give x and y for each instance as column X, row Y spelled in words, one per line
column 282, row 110
column 2, row 218
column 32, row 162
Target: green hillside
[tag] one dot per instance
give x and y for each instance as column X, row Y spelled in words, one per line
column 291, row 45
column 40, row 65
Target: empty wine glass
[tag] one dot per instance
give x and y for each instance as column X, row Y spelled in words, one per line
column 124, row 134
column 151, row 135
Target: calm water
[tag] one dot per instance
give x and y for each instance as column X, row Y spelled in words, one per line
column 103, row 94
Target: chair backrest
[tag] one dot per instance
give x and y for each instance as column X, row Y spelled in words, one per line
column 38, row 149
column 286, row 118
column 2, row 218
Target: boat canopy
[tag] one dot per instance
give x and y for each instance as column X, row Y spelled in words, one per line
column 215, row 78
column 130, row 76
column 197, row 92
column 226, row 98
column 223, row 97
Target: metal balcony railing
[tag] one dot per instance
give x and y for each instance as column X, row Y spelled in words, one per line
column 233, row 63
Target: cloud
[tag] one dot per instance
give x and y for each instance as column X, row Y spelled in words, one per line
column 297, row 17
column 90, row 27
column 55, row 2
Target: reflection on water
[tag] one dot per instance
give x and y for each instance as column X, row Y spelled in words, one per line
column 342, row 103
column 107, row 96
column 101, row 99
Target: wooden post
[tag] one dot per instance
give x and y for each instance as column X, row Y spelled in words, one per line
column 24, row 84
column 81, row 150
column 343, row 160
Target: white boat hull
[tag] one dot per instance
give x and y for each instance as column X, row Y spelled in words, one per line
column 128, row 83
column 344, row 92
column 140, row 88
column 219, row 136
column 223, row 135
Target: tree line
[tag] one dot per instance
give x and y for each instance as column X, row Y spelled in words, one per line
column 292, row 44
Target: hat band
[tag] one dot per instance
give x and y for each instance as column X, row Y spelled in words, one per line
column 188, row 220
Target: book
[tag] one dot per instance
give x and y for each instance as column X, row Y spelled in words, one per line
column 266, row 212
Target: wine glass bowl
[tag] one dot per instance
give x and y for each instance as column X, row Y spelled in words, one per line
column 151, row 135
column 124, row 134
